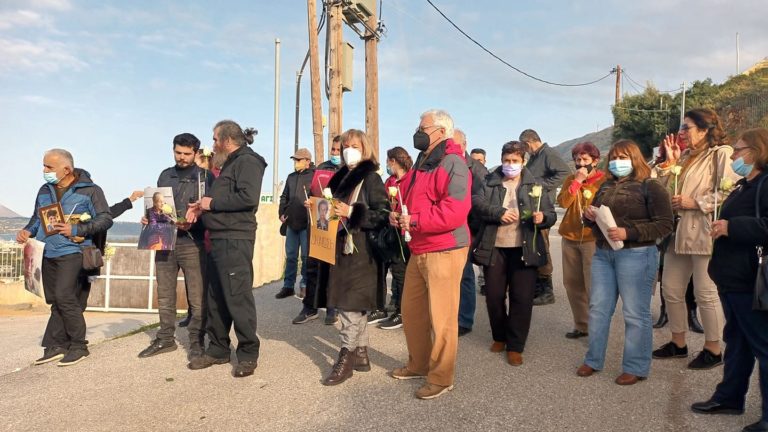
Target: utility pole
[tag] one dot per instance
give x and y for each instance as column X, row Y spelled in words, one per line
column 275, row 178
column 372, row 85
column 618, row 85
column 335, row 98
column 738, row 68
column 682, row 106
column 314, row 73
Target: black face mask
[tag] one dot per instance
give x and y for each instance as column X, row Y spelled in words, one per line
column 588, row 167
column 421, row 141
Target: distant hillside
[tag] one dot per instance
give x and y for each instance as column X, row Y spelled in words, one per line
column 602, row 139
column 5, row 212
column 124, row 231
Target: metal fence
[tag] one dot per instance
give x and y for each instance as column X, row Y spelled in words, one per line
column 11, row 262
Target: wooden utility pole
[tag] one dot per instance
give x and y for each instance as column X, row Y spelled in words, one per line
column 372, row 86
column 618, row 84
column 335, row 99
column 314, row 73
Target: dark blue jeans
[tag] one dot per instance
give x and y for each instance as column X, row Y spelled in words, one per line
column 468, row 297
column 293, row 241
column 745, row 340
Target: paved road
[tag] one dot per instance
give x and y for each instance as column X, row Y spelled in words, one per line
column 113, row 390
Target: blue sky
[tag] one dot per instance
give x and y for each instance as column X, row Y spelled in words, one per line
column 114, row 81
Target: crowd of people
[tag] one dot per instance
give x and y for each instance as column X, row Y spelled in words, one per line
column 699, row 211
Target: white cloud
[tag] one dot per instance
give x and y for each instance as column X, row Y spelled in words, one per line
column 41, row 57
column 38, row 100
column 22, row 18
column 57, row 5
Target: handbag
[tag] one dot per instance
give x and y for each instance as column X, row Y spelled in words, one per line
column 92, row 258
column 385, row 243
column 760, row 300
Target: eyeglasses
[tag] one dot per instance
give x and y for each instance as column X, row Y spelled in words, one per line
column 685, row 127
column 422, row 129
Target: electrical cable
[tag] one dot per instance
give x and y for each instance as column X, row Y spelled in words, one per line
column 645, row 87
column 507, row 63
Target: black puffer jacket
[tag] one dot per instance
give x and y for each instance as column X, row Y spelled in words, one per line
column 293, row 197
column 488, row 205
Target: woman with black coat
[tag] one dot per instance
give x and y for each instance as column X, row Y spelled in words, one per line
column 734, row 265
column 355, row 282
column 513, row 210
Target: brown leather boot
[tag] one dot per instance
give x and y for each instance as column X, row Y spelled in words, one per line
column 343, row 368
column 362, row 363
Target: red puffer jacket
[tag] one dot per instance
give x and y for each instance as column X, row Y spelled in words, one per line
column 439, row 197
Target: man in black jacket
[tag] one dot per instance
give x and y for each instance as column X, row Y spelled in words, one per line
column 188, row 182
column 229, row 213
column 550, row 170
column 293, row 215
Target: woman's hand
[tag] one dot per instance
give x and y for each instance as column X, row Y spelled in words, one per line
column 308, row 203
column 589, row 212
column 510, row 216
column 538, row 217
column 581, row 175
column 393, row 219
column 617, row 234
column 341, row 209
column 680, row 202
column 719, row 229
column 672, row 149
column 405, row 222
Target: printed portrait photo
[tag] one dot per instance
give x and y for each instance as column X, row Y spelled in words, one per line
column 49, row 216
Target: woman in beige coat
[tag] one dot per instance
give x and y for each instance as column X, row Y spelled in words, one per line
column 696, row 179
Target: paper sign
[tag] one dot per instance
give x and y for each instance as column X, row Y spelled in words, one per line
column 322, row 231
column 604, row 219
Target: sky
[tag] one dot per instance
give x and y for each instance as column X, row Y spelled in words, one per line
column 114, row 81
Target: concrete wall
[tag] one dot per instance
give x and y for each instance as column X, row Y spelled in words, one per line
column 268, row 265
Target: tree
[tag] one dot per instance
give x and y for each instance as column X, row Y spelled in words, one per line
column 644, row 118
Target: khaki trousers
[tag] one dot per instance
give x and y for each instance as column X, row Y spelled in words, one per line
column 677, row 272
column 577, row 278
column 430, row 307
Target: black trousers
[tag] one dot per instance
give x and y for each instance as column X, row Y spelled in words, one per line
column 508, row 274
column 230, row 299
column 63, row 285
column 317, row 275
column 190, row 258
column 745, row 340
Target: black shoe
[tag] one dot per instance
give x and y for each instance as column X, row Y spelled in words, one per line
column 205, row 361
column 693, row 322
column 51, row 354
column 377, row 316
column 663, row 320
column 74, row 356
column 545, row 298
column 158, row 347
column 305, row 315
column 706, row 360
column 464, row 330
column 761, row 426
column 185, row 321
column 331, row 318
column 670, row 350
column 576, row 334
column 285, row 292
column 195, row 349
column 713, row 407
column 395, row 321
column 245, row 368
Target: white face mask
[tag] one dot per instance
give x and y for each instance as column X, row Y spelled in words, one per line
column 352, row 156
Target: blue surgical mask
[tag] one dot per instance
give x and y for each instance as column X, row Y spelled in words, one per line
column 50, row 177
column 389, row 170
column 620, row 167
column 336, row 160
column 741, row 168
column 511, row 170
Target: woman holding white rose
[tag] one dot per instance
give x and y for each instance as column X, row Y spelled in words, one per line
column 355, row 281
column 643, row 214
column 513, row 211
column 578, row 245
column 694, row 176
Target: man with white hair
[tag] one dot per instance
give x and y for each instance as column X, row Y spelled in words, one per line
column 63, row 274
column 438, row 200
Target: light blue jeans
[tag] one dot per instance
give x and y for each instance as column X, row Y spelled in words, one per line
column 629, row 274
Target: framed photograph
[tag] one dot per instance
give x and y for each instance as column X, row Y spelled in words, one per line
column 159, row 233
column 322, row 231
column 50, row 215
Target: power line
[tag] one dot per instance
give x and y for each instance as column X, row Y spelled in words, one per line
column 509, row 65
column 645, row 87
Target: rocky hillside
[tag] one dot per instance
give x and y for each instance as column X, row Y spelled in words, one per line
column 5, row 212
column 602, row 139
